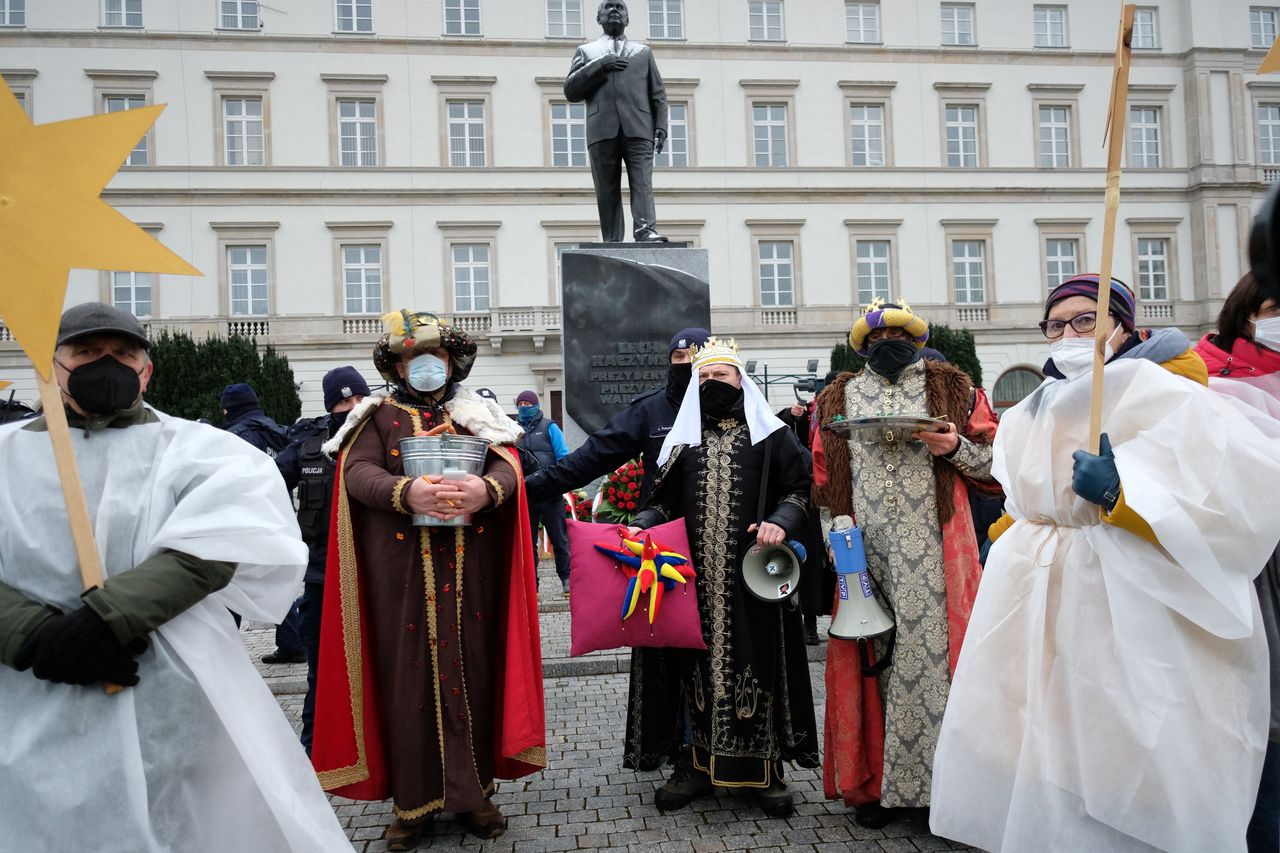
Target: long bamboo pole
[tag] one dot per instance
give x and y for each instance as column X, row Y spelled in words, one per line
column 1116, row 134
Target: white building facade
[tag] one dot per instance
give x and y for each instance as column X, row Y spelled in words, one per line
column 325, row 161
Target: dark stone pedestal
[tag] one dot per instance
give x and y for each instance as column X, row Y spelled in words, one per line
column 622, row 302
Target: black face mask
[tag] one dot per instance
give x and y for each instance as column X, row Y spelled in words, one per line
column 890, row 357
column 719, row 399
column 678, row 376
column 103, row 386
column 336, row 420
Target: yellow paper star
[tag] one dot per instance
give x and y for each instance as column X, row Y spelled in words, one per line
column 4, row 385
column 1271, row 62
column 52, row 219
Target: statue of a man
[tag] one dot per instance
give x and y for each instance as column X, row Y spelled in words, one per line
column 626, row 120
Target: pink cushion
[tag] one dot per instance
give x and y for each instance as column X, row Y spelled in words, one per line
column 598, row 587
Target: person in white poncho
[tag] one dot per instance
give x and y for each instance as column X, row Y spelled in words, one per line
column 195, row 754
column 1112, row 692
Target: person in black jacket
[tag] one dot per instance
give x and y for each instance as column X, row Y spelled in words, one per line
column 637, row 430
column 545, row 442
column 242, row 415
column 304, row 466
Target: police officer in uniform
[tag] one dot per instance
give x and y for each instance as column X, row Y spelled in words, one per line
column 304, row 466
column 637, row 430
column 544, row 441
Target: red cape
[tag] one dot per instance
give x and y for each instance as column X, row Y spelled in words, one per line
column 348, row 751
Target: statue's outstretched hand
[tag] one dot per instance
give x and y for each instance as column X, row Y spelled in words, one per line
column 659, row 140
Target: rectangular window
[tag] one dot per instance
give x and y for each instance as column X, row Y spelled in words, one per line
column 131, row 291
column 765, row 17
column 862, row 23
column 564, row 18
column 666, row 19
column 247, row 277
column 122, row 13
column 873, row 270
column 355, row 16
column 362, row 278
column 1153, row 270
column 470, row 277
column 1059, row 261
column 1269, row 134
column 119, row 103
column 962, row 136
column 466, row 133
column 238, row 14
column 957, row 24
column 769, row 129
column 358, row 132
column 1146, row 29
column 1055, row 137
column 13, row 13
column 777, row 274
column 866, row 126
column 676, row 151
column 1051, row 26
column 462, row 17
column 969, row 270
column 1262, row 27
column 568, row 134
column 242, row 130
column 1144, row 137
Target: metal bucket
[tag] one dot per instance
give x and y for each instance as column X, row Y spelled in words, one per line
column 442, row 455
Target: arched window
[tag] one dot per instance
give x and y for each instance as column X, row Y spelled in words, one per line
column 1013, row 385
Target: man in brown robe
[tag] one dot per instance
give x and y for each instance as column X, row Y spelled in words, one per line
column 430, row 670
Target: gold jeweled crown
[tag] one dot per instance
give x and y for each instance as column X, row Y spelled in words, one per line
column 716, row 351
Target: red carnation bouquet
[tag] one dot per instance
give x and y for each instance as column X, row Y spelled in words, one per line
column 621, row 489
column 581, row 509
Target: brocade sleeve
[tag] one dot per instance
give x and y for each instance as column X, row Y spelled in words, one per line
column 790, row 471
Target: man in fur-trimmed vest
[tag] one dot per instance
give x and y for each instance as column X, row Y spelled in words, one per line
column 909, row 494
column 430, row 683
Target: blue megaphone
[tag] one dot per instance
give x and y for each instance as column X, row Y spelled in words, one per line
column 858, row 615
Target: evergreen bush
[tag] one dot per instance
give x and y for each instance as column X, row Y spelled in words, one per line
column 190, row 375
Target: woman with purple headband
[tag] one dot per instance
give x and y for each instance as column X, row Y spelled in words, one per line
column 1111, row 694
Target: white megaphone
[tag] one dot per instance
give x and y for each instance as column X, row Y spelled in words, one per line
column 772, row 572
column 858, row 615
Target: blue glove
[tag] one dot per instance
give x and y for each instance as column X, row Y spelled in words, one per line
column 1095, row 478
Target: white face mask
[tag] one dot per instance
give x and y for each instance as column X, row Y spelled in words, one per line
column 1074, row 356
column 1266, row 332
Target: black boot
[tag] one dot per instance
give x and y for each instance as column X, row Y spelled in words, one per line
column 687, row 783
column 776, row 800
column 874, row 816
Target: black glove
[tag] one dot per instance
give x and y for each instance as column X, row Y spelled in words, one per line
column 79, row 648
column 1095, row 478
column 983, row 552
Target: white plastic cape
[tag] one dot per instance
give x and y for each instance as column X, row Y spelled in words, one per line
column 198, row 756
column 687, row 429
column 1112, row 695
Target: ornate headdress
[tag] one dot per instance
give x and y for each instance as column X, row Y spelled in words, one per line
column 716, row 351
column 687, row 429
column 881, row 315
column 417, row 333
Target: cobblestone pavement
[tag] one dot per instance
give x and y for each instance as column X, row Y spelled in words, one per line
column 586, row 800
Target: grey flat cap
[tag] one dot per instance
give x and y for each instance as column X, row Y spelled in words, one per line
column 95, row 318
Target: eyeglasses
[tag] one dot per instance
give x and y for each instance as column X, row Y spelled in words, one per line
column 1082, row 323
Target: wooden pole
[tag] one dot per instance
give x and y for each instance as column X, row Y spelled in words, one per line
column 55, row 418
column 1117, row 136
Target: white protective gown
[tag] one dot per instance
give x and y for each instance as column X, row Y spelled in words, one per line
column 1112, row 695
column 198, row 756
